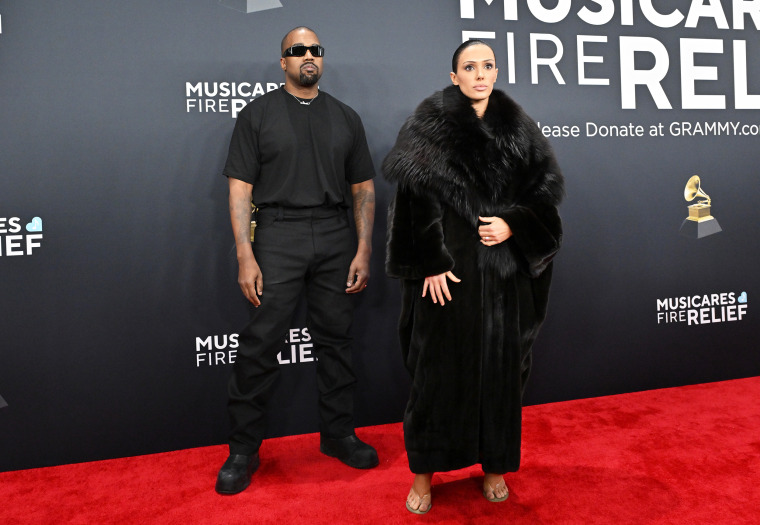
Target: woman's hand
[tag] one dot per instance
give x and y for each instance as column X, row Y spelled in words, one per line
column 494, row 231
column 438, row 286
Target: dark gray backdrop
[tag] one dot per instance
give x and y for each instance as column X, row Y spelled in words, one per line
column 132, row 276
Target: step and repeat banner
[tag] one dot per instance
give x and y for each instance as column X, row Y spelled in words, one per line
column 119, row 306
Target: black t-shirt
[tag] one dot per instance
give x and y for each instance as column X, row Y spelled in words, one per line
column 298, row 155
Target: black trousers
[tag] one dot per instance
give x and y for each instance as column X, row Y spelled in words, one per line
column 296, row 249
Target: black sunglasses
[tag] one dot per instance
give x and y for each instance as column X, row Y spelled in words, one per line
column 299, row 50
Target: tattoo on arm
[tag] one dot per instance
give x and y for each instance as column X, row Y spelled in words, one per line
column 240, row 215
column 364, row 214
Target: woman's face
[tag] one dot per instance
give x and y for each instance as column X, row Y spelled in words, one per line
column 476, row 72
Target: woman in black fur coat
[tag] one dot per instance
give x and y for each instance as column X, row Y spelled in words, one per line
column 472, row 231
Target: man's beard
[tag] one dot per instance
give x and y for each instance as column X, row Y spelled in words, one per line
column 307, row 80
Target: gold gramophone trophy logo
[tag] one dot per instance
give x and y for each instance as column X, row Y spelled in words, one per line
column 699, row 223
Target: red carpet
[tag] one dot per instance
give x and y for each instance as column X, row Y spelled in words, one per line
column 688, row 455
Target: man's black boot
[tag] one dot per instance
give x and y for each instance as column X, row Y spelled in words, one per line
column 350, row 450
column 235, row 474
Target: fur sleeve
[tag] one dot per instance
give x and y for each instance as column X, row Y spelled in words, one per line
column 536, row 235
column 534, row 218
column 414, row 242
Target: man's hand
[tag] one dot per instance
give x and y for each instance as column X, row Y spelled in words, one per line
column 363, row 195
column 249, row 273
column 438, row 286
column 494, row 231
column 250, row 279
column 358, row 273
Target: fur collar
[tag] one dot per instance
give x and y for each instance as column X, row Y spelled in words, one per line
column 476, row 166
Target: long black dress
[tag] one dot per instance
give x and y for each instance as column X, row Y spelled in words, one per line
column 470, row 359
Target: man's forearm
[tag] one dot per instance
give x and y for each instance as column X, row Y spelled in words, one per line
column 364, row 212
column 240, row 217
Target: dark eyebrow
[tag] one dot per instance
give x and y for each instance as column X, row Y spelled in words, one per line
column 476, row 61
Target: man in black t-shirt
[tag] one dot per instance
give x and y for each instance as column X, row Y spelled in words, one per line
column 302, row 157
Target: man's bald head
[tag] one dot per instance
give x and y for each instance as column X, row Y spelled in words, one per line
column 294, row 36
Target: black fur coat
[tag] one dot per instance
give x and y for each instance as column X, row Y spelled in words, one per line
column 470, row 358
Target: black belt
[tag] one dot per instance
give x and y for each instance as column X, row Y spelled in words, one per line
column 283, row 213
